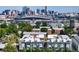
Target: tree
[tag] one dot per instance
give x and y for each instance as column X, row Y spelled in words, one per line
column 10, row 48
column 28, row 28
column 23, row 26
column 11, row 40
column 68, row 30
column 44, row 24
column 44, row 29
column 38, row 24
column 2, row 32
column 3, row 25
column 12, row 28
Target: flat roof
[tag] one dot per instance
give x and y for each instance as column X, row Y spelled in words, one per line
column 40, row 33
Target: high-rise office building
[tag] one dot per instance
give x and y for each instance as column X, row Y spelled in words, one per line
column 25, row 10
column 14, row 12
column 49, row 12
column 38, row 11
column 6, row 12
column 45, row 10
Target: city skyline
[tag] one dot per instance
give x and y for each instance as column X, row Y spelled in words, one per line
column 54, row 8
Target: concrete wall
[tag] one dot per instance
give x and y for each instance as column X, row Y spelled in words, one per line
column 49, row 31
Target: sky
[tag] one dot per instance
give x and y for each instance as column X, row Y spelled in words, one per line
column 54, row 8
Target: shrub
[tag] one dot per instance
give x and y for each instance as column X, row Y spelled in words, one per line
column 43, row 29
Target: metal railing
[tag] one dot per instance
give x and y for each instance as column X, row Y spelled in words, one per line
column 44, row 45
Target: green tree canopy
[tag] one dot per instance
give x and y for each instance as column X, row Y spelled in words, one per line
column 12, row 38
column 44, row 29
column 3, row 25
column 38, row 24
column 68, row 30
column 2, row 32
column 44, row 24
column 12, row 28
column 10, row 48
column 24, row 26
